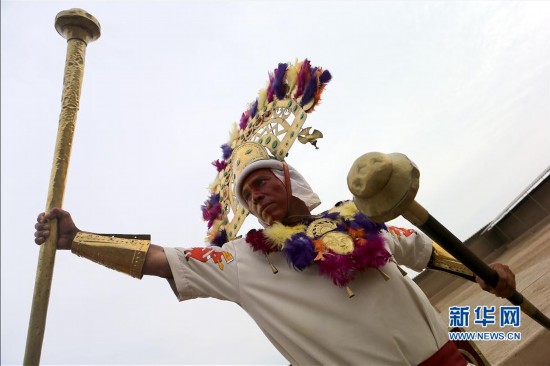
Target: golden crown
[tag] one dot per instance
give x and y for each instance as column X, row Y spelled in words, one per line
column 267, row 130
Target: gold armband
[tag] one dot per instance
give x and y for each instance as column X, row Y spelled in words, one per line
column 441, row 260
column 123, row 253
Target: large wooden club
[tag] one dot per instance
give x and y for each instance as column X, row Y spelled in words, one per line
column 384, row 187
column 79, row 28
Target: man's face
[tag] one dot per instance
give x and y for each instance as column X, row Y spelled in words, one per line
column 265, row 195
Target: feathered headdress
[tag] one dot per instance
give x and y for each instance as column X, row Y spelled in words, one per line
column 267, row 129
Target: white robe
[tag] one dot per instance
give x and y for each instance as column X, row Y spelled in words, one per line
column 309, row 319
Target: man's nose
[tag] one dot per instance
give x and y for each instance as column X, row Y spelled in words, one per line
column 257, row 196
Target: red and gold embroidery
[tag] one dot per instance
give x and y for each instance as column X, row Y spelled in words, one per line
column 204, row 254
column 397, row 231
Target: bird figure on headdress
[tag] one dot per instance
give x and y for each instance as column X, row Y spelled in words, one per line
column 304, row 136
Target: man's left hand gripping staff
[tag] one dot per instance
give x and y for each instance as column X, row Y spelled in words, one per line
column 156, row 263
column 506, row 281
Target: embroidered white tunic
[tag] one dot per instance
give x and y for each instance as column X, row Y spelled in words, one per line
column 309, row 319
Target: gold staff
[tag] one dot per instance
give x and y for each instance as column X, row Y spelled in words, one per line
column 79, row 28
column 384, row 187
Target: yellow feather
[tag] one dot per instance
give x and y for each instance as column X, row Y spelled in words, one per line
column 278, row 233
column 216, row 225
column 214, row 231
column 215, row 185
column 292, row 75
column 347, row 209
column 262, row 97
column 234, row 135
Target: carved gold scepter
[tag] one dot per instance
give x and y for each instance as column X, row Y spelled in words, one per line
column 79, row 28
column 384, row 187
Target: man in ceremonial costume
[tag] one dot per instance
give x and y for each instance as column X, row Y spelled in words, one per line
column 325, row 288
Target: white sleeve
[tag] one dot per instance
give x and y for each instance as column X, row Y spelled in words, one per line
column 409, row 247
column 204, row 272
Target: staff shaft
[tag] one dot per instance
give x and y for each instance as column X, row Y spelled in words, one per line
column 420, row 217
column 70, row 25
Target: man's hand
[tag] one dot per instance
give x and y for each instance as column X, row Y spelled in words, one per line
column 66, row 228
column 506, row 283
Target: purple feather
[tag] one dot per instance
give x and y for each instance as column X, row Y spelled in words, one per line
column 227, row 151
column 270, row 88
column 215, row 197
column 211, row 214
column 254, row 109
column 220, row 165
column 325, row 77
column 311, row 89
column 303, row 78
column 220, row 239
column 211, row 209
column 278, row 82
column 244, row 120
column 299, row 251
column 366, row 224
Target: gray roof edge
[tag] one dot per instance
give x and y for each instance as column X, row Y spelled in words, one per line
column 534, row 184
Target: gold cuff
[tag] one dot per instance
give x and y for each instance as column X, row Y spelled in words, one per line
column 123, row 253
column 441, row 260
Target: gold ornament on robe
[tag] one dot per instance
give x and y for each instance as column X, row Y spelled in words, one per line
column 325, row 229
